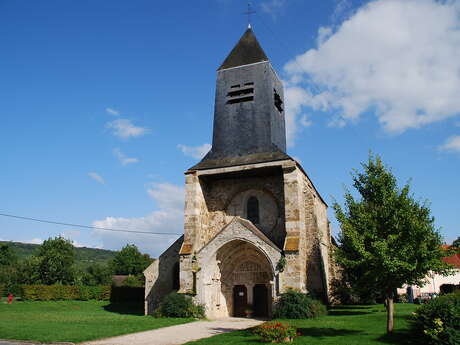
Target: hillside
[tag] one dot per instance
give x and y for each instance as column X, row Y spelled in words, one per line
column 84, row 256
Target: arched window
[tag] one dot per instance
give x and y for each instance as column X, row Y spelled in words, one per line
column 253, row 210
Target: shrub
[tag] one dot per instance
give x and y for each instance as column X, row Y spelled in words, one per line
column 2, row 289
column 101, row 293
column 65, row 292
column 297, row 305
column 179, row 305
column 276, row 332
column 448, row 288
column 438, row 321
column 134, row 281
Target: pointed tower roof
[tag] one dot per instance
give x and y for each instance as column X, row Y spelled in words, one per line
column 246, row 51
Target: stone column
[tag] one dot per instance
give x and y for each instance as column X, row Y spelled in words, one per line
column 294, row 244
column 192, row 210
column 194, row 201
column 250, row 297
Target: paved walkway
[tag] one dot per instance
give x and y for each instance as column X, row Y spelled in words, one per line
column 180, row 334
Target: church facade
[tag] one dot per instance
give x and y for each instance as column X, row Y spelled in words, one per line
column 254, row 223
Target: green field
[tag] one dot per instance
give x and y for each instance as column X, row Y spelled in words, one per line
column 74, row 321
column 348, row 325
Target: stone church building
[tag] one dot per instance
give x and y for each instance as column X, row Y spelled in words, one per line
column 254, row 223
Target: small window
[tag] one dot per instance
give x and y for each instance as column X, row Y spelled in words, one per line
column 278, row 101
column 253, row 210
column 239, row 94
column 240, row 100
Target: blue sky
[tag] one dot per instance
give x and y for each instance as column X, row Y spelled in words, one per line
column 104, row 105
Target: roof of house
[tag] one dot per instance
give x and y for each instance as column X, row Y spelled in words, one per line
column 453, row 259
column 247, row 51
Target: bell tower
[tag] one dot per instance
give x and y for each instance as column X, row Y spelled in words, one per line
column 249, row 123
column 254, row 223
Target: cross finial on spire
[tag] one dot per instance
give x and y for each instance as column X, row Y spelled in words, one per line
column 248, row 13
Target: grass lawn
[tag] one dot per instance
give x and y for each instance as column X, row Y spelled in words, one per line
column 74, row 321
column 347, row 325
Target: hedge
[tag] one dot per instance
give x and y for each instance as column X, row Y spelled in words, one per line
column 2, row 288
column 65, row 292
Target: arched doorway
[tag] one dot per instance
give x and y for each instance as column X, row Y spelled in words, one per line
column 246, row 279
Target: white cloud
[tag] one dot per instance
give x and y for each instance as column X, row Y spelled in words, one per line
column 124, row 160
column 272, row 6
column 398, row 59
column 452, row 144
column 124, row 129
column 112, row 111
column 167, row 218
column 96, row 177
column 35, row 241
column 197, row 152
column 342, row 9
column 296, row 98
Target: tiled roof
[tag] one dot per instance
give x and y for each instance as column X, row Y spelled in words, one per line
column 453, row 259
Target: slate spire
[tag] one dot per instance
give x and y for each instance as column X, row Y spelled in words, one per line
column 245, row 52
column 249, row 124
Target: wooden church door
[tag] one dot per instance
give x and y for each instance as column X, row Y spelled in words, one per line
column 240, row 300
column 260, row 300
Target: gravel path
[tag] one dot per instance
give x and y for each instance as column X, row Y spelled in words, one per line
column 180, row 334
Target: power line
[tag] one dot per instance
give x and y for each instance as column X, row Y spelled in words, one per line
column 89, row 227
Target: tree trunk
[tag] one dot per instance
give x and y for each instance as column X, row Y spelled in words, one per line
column 390, row 313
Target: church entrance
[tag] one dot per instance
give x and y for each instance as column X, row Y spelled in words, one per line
column 240, row 300
column 260, row 296
column 244, row 279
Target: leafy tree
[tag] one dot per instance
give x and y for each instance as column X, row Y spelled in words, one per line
column 387, row 238
column 129, row 260
column 456, row 243
column 56, row 259
column 97, row 274
column 7, row 255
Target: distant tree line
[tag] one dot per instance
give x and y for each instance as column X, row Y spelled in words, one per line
column 54, row 263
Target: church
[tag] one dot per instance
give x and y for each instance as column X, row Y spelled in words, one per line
column 254, row 223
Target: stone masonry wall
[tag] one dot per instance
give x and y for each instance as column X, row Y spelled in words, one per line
column 161, row 276
column 226, row 198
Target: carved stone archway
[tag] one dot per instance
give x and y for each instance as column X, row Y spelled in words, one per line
column 242, row 264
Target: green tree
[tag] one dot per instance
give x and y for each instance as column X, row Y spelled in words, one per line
column 129, row 260
column 456, row 243
column 97, row 274
column 56, row 258
column 387, row 238
column 7, row 255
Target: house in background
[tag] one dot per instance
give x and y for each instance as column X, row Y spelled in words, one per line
column 434, row 281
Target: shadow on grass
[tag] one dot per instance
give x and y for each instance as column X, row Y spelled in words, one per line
column 355, row 306
column 326, row 332
column 126, row 308
column 349, row 312
column 398, row 337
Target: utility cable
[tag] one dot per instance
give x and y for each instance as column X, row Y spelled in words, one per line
column 88, row 227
